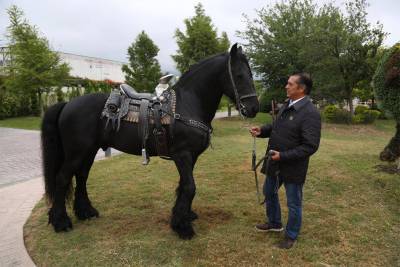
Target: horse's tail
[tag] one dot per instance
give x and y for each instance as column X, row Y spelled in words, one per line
column 52, row 149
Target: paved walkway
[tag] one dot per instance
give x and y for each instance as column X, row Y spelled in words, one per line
column 21, row 187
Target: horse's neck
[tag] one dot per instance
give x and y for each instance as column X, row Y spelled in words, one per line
column 199, row 95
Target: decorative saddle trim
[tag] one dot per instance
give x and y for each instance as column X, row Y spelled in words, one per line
column 120, row 107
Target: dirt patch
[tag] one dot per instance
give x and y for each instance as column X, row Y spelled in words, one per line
column 389, row 168
column 213, row 215
column 163, row 219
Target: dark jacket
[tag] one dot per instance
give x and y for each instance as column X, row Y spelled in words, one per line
column 295, row 133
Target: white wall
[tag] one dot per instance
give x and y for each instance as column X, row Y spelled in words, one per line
column 93, row 68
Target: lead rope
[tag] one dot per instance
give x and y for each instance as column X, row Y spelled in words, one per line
column 255, row 165
column 267, row 157
column 254, row 168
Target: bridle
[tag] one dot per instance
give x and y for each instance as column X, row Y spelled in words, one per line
column 239, row 105
column 242, row 110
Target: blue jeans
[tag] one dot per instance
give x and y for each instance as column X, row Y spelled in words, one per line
column 294, row 195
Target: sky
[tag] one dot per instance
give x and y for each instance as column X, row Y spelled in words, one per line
column 106, row 29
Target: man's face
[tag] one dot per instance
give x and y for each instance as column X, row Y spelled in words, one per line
column 293, row 89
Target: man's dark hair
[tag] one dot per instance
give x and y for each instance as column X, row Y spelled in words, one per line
column 304, row 79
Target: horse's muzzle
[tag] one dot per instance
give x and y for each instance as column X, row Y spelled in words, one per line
column 249, row 112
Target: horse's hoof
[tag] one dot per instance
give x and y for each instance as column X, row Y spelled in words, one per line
column 184, row 229
column 186, row 234
column 193, row 216
column 86, row 213
column 61, row 222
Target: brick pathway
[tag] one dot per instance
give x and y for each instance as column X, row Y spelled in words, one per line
column 20, row 155
column 21, row 187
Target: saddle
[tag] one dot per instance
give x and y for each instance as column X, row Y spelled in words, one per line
column 149, row 111
column 131, row 93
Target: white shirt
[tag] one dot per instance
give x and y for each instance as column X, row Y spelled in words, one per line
column 295, row 101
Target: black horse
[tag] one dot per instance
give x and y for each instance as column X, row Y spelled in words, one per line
column 73, row 132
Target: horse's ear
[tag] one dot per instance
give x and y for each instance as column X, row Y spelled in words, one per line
column 234, row 50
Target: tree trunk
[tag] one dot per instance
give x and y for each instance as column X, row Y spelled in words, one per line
column 229, row 110
column 351, row 108
column 40, row 103
column 34, row 105
column 392, row 151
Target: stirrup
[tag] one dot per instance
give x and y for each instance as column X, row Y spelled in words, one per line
column 145, row 157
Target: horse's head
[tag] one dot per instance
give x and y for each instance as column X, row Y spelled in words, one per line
column 240, row 88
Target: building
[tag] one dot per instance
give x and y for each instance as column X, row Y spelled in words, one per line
column 92, row 68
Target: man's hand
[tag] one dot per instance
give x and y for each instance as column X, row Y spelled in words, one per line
column 275, row 156
column 255, row 131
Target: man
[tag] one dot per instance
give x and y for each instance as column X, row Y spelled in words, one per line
column 293, row 138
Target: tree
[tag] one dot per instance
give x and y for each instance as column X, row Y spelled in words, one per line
column 386, row 83
column 275, row 41
column 199, row 41
column 350, row 45
column 33, row 68
column 336, row 48
column 144, row 70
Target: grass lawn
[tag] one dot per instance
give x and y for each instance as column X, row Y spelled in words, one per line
column 28, row 123
column 351, row 213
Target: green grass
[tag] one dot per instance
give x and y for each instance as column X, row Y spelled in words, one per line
column 28, row 123
column 351, row 214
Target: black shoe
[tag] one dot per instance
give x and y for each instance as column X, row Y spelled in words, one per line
column 286, row 243
column 266, row 227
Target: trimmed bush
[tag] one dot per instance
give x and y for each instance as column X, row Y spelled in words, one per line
column 342, row 116
column 386, row 81
column 334, row 114
column 8, row 106
column 360, row 109
column 371, row 115
column 329, row 112
column 367, row 117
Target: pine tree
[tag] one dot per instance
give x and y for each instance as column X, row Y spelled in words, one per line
column 34, row 68
column 199, row 41
column 144, row 70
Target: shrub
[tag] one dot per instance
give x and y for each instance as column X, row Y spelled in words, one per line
column 8, row 106
column 342, row 116
column 360, row 109
column 358, row 118
column 334, row 114
column 366, row 117
column 329, row 112
column 371, row 115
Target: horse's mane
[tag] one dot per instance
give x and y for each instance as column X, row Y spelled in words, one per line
column 195, row 67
